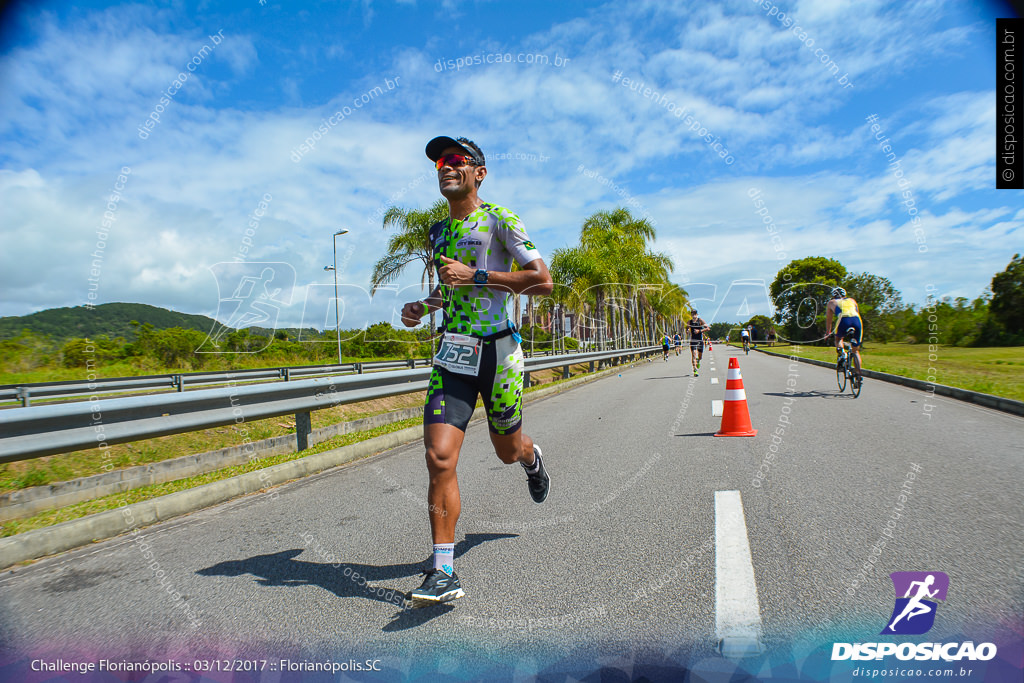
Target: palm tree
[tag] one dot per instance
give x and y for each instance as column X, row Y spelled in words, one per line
column 580, row 275
column 620, row 242
column 410, row 244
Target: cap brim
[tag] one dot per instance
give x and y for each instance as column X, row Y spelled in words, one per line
column 437, row 146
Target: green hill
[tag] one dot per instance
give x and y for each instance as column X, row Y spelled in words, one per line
column 113, row 320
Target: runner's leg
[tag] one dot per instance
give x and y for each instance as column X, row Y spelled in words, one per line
column 513, row 448
column 443, row 442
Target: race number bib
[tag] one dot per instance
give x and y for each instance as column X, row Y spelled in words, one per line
column 459, row 353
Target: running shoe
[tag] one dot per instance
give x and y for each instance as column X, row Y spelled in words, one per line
column 438, row 587
column 539, row 482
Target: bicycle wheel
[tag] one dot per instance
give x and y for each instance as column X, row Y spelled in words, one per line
column 841, row 375
column 855, row 384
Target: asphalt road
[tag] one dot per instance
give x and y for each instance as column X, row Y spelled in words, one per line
column 617, row 569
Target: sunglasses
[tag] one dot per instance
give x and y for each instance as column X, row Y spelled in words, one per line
column 453, row 161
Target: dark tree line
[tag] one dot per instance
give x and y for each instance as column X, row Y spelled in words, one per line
column 995, row 318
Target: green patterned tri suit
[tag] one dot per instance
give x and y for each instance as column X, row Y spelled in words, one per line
column 489, row 238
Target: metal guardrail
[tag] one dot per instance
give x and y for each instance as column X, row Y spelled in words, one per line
column 31, row 432
column 180, row 381
column 26, row 392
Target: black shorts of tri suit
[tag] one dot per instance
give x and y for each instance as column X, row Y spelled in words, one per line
column 451, row 397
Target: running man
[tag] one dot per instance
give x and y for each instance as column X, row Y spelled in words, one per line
column 696, row 327
column 665, row 343
column 677, row 343
column 844, row 309
column 479, row 353
column 914, row 606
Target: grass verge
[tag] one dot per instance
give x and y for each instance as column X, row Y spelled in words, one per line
column 997, row 370
column 51, row 517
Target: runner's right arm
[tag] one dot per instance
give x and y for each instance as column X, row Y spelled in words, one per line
column 414, row 311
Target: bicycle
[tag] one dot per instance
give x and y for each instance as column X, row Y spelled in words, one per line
column 746, row 346
column 844, row 367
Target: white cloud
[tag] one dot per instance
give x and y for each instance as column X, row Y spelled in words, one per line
column 69, row 123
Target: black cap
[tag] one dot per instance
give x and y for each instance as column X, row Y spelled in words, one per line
column 439, row 144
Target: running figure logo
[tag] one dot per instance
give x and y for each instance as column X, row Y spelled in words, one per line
column 256, row 293
column 914, row 612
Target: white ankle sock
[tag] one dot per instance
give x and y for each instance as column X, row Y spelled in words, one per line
column 444, row 557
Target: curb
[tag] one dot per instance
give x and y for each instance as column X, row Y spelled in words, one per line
column 38, row 543
column 1005, row 405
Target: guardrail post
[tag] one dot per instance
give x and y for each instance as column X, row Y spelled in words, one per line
column 303, row 427
column 412, row 364
column 179, row 382
column 591, row 366
column 565, row 372
column 287, row 374
column 23, row 394
column 526, row 380
column 359, row 368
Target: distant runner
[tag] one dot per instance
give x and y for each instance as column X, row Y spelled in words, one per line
column 696, row 327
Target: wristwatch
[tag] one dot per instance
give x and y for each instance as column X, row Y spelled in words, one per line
column 480, row 277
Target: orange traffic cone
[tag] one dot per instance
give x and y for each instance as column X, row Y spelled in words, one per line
column 735, row 416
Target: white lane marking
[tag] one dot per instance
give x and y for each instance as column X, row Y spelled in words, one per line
column 714, row 380
column 737, row 611
column 717, row 408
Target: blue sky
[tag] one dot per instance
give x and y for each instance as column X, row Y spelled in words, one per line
column 563, row 140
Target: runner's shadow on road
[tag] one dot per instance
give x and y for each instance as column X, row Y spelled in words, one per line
column 673, row 377
column 698, row 434
column 344, row 579
column 812, row 394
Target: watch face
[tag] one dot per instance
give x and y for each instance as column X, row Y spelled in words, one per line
column 480, row 277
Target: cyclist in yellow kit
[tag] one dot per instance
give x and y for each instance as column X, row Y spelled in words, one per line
column 847, row 316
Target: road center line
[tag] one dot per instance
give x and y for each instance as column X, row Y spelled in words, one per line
column 737, row 611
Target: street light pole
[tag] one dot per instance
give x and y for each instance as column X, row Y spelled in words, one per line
column 337, row 316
